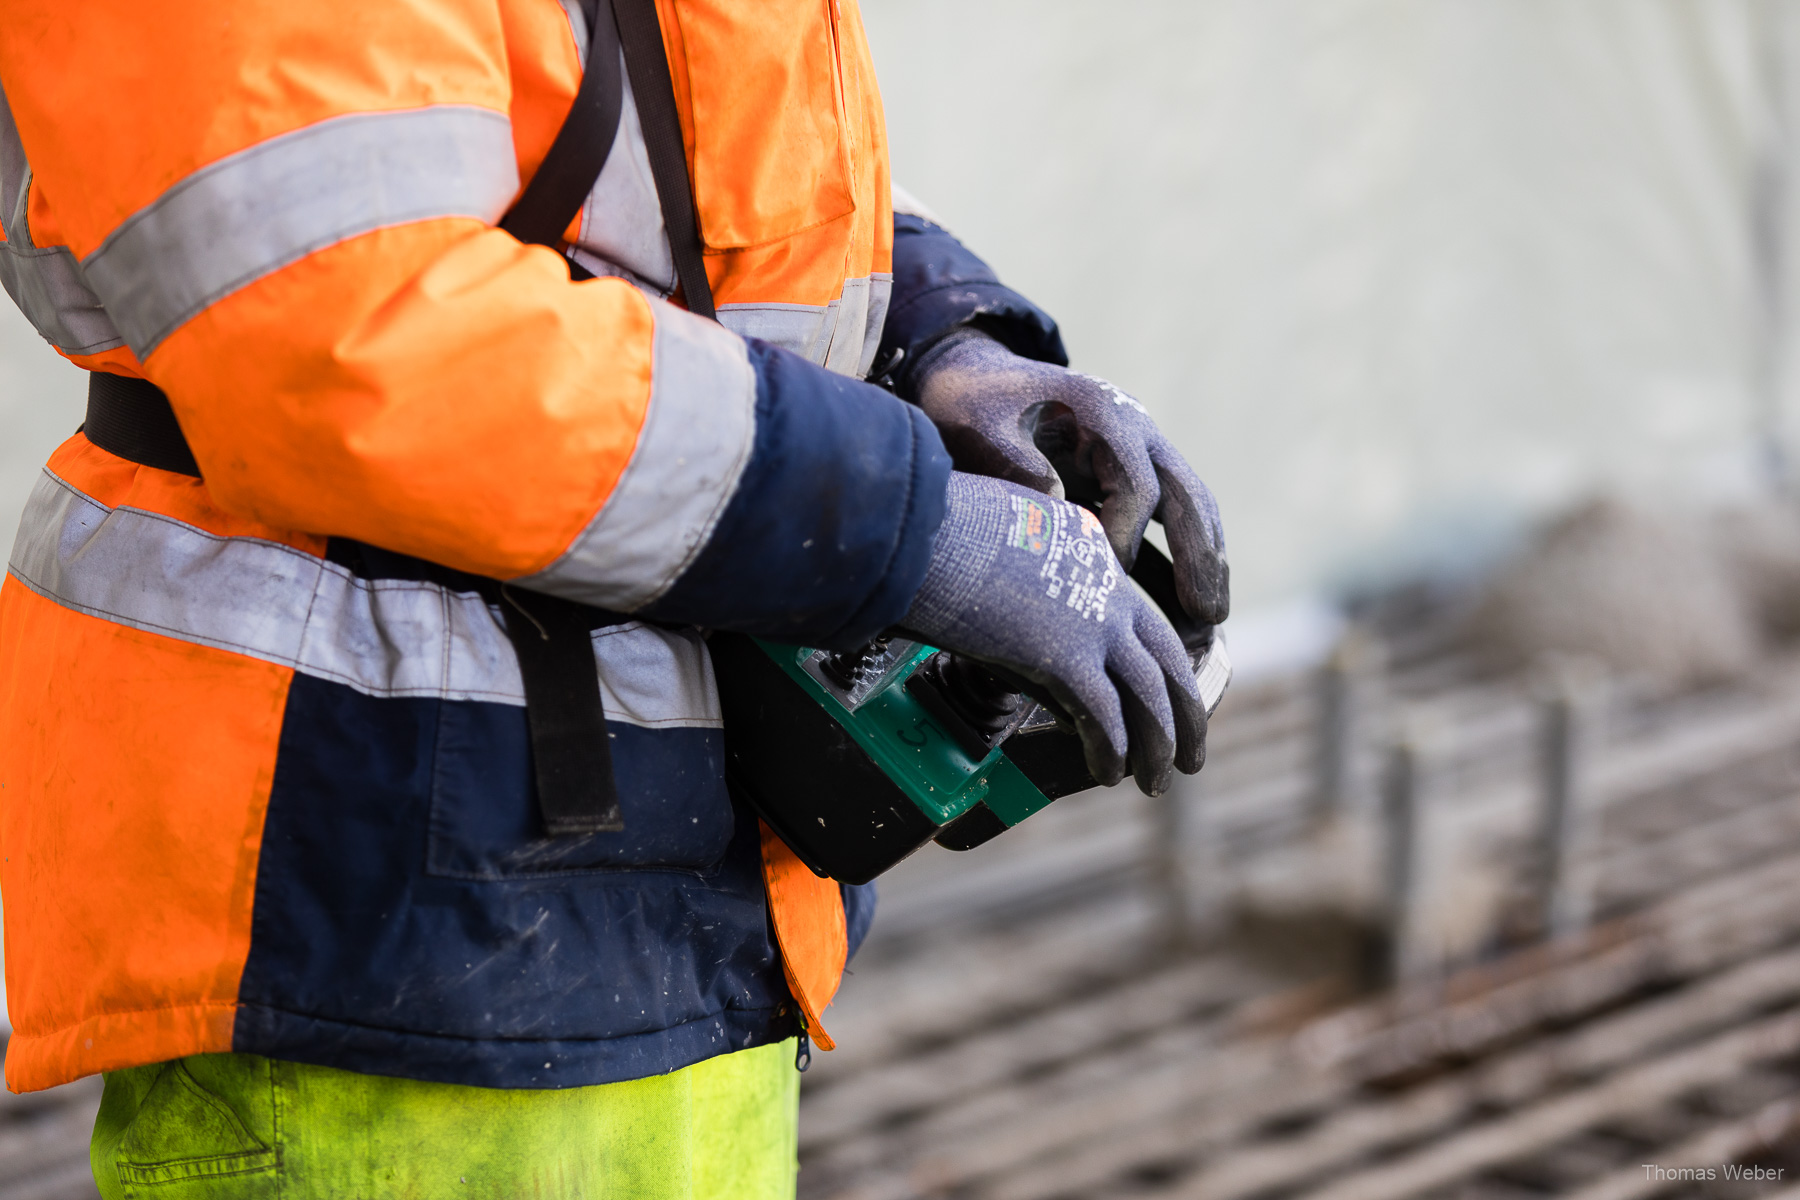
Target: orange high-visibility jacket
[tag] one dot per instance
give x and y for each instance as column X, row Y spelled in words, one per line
column 264, row 776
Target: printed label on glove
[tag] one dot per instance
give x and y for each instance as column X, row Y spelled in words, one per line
column 1078, row 563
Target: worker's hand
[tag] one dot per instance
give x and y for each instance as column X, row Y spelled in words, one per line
column 1068, row 434
column 1029, row 583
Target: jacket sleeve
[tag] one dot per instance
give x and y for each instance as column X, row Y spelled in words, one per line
column 940, row 285
column 288, row 217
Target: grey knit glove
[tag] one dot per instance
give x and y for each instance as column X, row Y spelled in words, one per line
column 1050, row 428
column 1028, row 583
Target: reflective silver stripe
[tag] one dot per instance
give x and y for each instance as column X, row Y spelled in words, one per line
column 47, row 286
column 794, row 327
column 233, row 222
column 695, row 440
column 272, row 602
column 841, row 336
column 578, row 28
column 45, row 282
column 852, row 347
column 657, row 678
column 881, row 295
column 851, row 328
column 621, row 220
column 13, row 169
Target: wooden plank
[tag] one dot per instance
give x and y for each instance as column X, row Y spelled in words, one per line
column 1017, row 884
column 972, row 983
column 1138, row 1107
column 1511, row 1080
column 1540, row 1126
column 1703, row 847
column 1683, row 753
column 1003, row 1131
column 1687, row 934
column 996, row 1132
column 1087, row 1026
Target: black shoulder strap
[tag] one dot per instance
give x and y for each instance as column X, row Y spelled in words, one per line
column 570, row 749
column 566, row 176
column 654, row 90
column 569, row 744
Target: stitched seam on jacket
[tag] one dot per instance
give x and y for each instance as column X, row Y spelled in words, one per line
column 126, row 1012
column 456, row 1037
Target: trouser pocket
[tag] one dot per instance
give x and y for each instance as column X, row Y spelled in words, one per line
column 164, row 1133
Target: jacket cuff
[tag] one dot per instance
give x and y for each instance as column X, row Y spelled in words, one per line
column 939, row 286
column 827, row 535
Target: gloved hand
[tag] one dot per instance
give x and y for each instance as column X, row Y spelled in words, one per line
column 1045, row 427
column 1029, row 583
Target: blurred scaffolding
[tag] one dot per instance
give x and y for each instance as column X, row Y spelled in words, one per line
column 1491, row 886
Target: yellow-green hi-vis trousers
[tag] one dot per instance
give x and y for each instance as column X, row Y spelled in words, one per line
column 235, row 1125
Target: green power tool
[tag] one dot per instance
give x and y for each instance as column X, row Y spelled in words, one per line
column 858, row 758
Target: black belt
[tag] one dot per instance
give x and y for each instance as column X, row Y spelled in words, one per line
column 570, row 750
column 132, row 419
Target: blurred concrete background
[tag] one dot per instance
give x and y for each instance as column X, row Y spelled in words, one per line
column 41, row 402
column 1400, row 275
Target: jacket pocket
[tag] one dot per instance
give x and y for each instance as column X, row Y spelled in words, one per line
column 766, row 95
column 668, row 753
